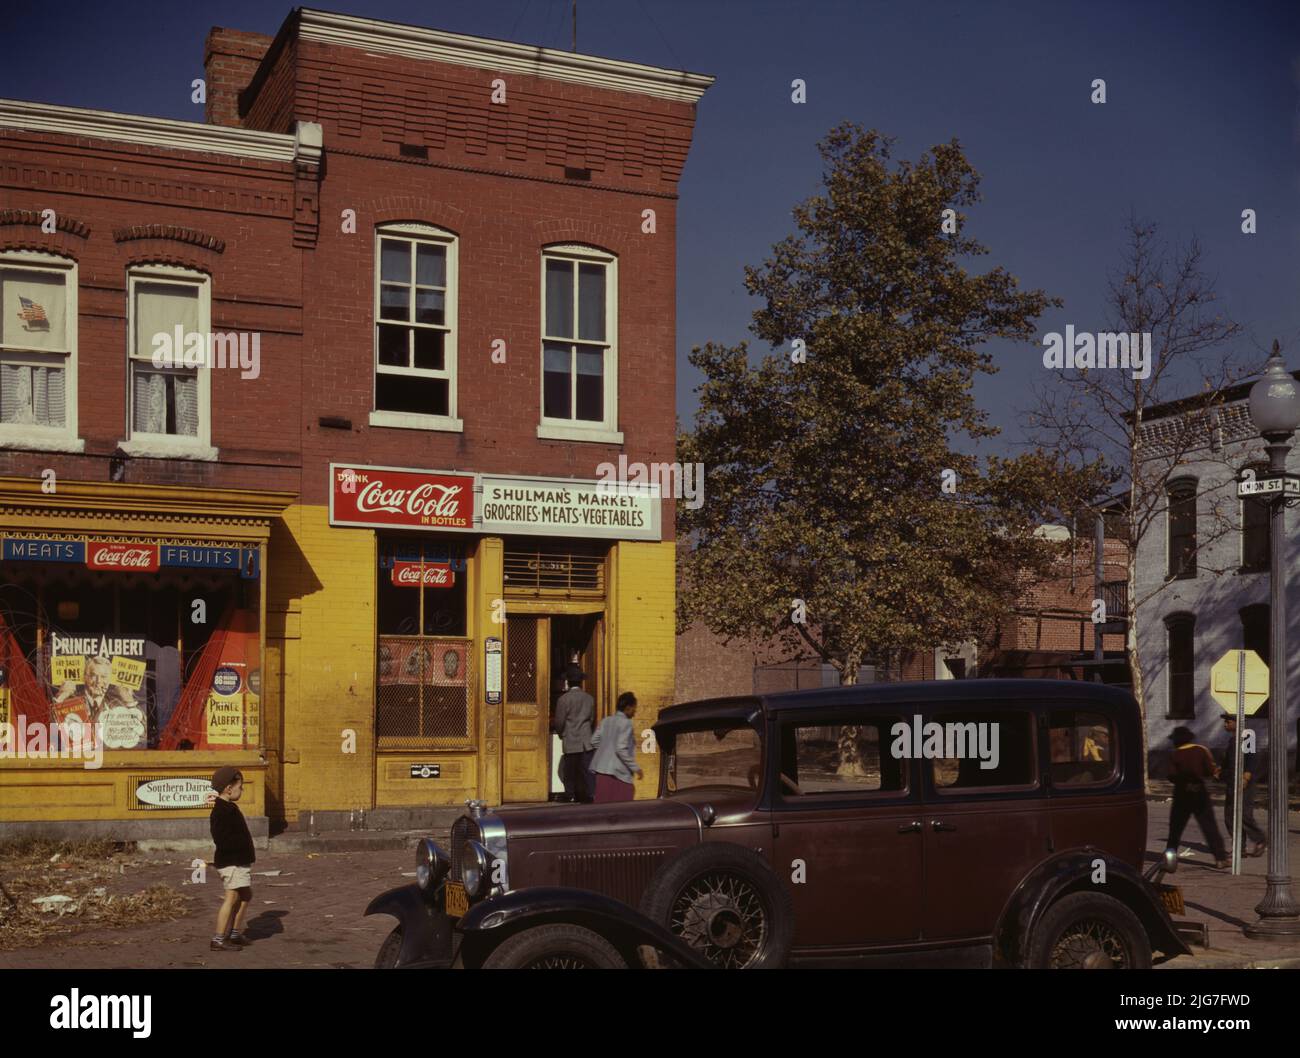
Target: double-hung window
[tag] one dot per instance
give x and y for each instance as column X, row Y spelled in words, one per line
column 169, row 385
column 579, row 345
column 38, row 352
column 415, row 328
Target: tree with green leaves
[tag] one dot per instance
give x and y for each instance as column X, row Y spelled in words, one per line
column 844, row 511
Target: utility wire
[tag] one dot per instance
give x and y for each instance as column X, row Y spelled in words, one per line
column 680, row 65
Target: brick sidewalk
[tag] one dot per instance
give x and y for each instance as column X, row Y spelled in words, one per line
column 310, row 915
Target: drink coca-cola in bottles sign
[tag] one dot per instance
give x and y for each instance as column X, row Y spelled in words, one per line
column 136, row 558
column 392, row 497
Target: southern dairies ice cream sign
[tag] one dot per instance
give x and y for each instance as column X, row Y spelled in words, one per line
column 98, row 680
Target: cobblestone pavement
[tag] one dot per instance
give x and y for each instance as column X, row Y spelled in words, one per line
column 310, row 915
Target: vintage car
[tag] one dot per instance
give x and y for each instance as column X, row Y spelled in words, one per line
column 950, row 823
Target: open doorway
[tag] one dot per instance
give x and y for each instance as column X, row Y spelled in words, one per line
column 575, row 641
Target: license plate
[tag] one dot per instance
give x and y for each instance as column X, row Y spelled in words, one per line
column 1172, row 897
column 455, row 900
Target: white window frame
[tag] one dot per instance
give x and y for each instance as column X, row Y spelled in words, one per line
column 29, row 435
column 411, row 420
column 162, row 445
column 606, row 431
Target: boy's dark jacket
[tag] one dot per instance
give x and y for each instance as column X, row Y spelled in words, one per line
column 230, row 832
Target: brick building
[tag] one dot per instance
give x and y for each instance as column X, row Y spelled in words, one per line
column 455, row 258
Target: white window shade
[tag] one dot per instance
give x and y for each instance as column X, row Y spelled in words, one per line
column 34, row 310
column 32, row 395
column 159, row 308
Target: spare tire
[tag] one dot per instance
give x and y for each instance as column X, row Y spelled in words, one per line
column 726, row 902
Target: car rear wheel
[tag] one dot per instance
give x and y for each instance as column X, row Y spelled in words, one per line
column 387, row 957
column 725, row 902
column 1089, row 931
column 555, row 947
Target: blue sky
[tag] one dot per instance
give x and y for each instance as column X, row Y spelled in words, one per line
column 1200, row 123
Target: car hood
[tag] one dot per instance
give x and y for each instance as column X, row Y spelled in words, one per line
column 622, row 817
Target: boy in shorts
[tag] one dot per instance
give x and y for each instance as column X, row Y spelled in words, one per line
column 234, row 859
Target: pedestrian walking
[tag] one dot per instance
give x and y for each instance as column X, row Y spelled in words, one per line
column 1190, row 766
column 575, row 714
column 1252, row 765
column 615, row 761
column 234, row 859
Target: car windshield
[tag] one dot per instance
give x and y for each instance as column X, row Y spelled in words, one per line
column 727, row 755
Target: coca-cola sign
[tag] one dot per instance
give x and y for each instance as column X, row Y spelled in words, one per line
column 407, row 575
column 412, row 499
column 137, row 558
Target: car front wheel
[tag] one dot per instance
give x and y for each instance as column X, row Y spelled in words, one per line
column 1089, row 931
column 559, row 946
column 388, row 951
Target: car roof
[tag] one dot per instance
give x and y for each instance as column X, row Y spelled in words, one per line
column 1046, row 692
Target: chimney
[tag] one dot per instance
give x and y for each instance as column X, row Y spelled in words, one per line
column 230, row 58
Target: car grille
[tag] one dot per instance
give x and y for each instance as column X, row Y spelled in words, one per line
column 622, row 874
column 463, row 830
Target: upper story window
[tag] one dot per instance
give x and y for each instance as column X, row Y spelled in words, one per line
column 169, row 390
column 579, row 345
column 38, row 351
column 1256, row 534
column 415, row 328
column 1181, row 652
column 1182, row 528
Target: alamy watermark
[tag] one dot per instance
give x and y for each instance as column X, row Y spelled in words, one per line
column 1104, row 349
column 950, row 741
column 67, row 740
column 681, row 481
column 188, row 349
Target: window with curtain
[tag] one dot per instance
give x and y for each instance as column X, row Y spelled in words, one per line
column 1256, row 535
column 415, row 321
column 165, row 391
column 1181, row 630
column 37, row 343
column 578, row 347
column 1182, row 528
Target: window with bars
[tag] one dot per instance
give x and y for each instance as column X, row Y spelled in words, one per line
column 415, row 327
column 579, row 350
column 38, row 329
column 531, row 569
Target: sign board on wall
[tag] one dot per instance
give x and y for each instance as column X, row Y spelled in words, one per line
column 181, row 791
column 492, row 669
column 402, row 498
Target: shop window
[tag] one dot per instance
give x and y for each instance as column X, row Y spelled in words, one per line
column 415, row 328
column 424, row 658
column 38, row 351
column 579, row 347
column 1181, row 629
column 169, row 389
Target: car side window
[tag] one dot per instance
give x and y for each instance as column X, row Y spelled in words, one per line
column 976, row 749
column 1082, row 748
column 840, row 759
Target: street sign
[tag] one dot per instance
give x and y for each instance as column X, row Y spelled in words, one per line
column 1286, row 486
column 1224, row 678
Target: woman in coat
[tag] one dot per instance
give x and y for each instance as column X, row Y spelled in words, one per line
column 615, row 761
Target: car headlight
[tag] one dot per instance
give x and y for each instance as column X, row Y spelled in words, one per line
column 474, row 868
column 431, row 864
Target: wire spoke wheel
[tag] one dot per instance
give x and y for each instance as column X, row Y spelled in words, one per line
column 560, row 961
column 1091, row 944
column 722, row 916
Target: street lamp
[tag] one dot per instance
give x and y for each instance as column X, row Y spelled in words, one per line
column 1275, row 410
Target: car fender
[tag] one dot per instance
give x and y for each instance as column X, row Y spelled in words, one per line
column 426, row 931
column 489, row 923
column 1072, row 871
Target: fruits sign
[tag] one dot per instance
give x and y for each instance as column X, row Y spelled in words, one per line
column 380, row 497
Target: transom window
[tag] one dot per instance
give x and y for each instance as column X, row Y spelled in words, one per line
column 38, row 345
column 579, row 350
column 415, row 327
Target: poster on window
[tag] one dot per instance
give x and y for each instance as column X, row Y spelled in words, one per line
column 100, row 680
column 232, row 710
column 448, row 668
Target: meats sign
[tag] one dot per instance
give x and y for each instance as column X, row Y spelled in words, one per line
column 389, row 497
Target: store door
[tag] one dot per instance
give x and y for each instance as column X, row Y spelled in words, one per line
column 525, row 774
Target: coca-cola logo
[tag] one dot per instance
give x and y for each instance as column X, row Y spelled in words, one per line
column 122, row 556
column 407, row 575
column 383, row 496
column 420, row 502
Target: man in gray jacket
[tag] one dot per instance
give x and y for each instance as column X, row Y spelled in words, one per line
column 575, row 715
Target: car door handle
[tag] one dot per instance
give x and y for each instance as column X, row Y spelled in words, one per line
column 936, row 825
column 910, row 828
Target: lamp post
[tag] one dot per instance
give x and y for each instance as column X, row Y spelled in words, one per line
column 1275, row 410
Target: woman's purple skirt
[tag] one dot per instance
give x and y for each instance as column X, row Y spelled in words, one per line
column 609, row 789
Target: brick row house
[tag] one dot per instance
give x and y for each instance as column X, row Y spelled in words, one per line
column 352, row 547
